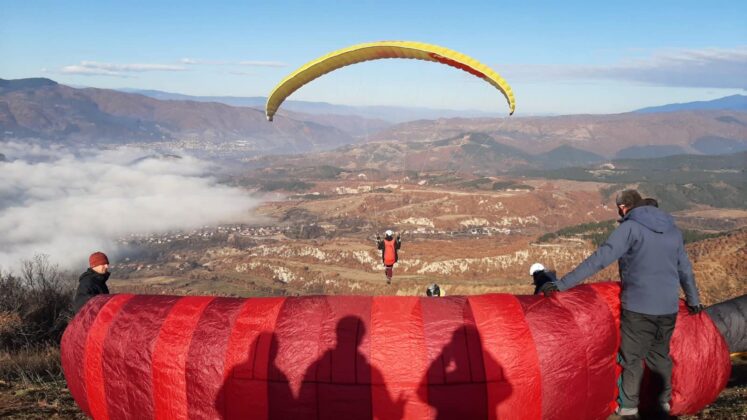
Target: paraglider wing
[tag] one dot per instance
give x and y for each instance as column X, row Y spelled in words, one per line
column 379, row 50
column 364, row 357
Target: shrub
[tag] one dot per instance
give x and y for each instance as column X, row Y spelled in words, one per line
column 35, row 305
column 596, row 232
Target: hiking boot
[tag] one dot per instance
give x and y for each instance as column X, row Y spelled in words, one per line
column 665, row 407
column 388, row 280
column 622, row 411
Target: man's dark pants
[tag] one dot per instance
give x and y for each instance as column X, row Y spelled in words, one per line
column 645, row 337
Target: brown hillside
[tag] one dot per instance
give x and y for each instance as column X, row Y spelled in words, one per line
column 57, row 112
column 601, row 134
column 720, row 266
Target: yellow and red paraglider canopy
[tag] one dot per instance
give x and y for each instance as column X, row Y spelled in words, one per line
column 379, row 50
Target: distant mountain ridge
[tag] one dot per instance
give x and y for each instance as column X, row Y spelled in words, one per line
column 650, row 135
column 20, row 84
column 469, row 153
column 390, row 114
column 45, row 110
column 732, row 103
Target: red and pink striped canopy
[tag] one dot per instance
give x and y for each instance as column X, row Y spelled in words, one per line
column 362, row 357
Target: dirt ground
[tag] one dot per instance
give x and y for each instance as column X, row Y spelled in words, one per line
column 50, row 400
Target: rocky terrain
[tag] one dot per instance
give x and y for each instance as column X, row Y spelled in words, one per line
column 468, row 241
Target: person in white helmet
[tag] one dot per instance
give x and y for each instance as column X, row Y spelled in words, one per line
column 541, row 276
column 389, row 247
column 434, row 290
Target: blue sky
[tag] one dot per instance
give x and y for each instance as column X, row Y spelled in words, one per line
column 559, row 57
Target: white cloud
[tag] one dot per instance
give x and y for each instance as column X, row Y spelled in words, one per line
column 254, row 63
column 248, row 63
column 57, row 203
column 90, row 68
column 195, row 62
column 242, row 73
column 96, row 68
column 703, row 68
column 88, row 71
column 132, row 67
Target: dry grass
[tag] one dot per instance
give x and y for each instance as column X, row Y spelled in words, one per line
column 31, row 366
column 32, row 384
column 40, row 397
column 46, row 400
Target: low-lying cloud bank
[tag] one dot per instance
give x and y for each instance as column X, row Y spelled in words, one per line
column 67, row 205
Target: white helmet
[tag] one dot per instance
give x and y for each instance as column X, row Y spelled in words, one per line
column 388, row 232
column 535, row 268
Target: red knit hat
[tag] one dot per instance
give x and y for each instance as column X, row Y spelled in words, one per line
column 97, row 258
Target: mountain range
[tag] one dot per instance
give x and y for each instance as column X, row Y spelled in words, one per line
column 474, row 153
column 390, row 114
column 44, row 110
column 733, row 102
column 612, row 136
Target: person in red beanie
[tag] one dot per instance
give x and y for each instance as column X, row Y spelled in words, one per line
column 93, row 281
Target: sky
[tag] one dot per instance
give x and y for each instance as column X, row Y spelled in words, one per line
column 559, row 57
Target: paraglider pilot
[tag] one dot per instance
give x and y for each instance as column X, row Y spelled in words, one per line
column 389, row 247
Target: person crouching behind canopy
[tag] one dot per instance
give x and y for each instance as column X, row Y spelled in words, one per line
column 93, row 281
column 434, row 290
column 389, row 247
column 540, row 276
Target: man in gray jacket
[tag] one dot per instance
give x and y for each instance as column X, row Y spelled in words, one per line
column 653, row 266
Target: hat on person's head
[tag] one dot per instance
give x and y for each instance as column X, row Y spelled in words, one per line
column 97, row 258
column 388, row 232
column 628, row 198
column 535, row 268
column 433, row 290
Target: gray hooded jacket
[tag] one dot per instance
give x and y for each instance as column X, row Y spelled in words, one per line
column 653, row 263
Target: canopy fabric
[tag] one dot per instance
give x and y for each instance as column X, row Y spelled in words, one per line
column 389, row 357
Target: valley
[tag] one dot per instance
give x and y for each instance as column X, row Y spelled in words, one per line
column 466, row 239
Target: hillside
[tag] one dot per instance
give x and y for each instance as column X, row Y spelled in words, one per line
column 467, row 240
column 677, row 181
column 43, row 109
column 468, row 153
column 390, row 114
column 605, row 135
column 720, row 265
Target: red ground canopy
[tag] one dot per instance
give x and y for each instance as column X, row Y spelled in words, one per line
column 488, row 356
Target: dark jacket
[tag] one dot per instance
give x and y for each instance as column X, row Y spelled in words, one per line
column 541, row 277
column 652, row 259
column 397, row 244
column 90, row 284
